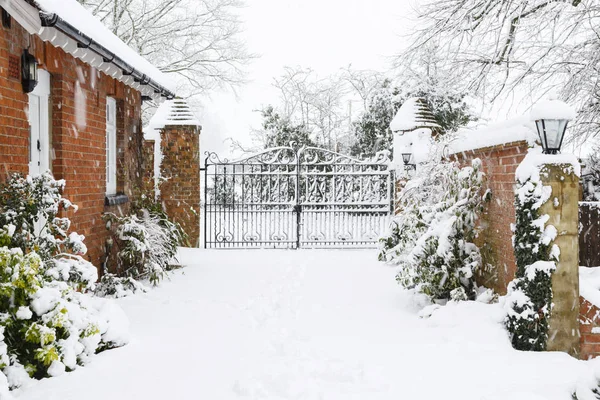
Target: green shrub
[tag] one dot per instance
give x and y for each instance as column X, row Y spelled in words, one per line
column 147, row 241
column 432, row 240
column 47, row 322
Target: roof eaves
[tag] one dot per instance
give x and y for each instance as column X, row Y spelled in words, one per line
column 84, row 41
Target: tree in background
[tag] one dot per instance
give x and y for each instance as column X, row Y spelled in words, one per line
column 591, row 176
column 196, row 39
column 278, row 131
column 316, row 104
column 372, row 129
column 500, row 50
column 372, row 132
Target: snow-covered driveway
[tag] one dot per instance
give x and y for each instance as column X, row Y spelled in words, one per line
column 307, row 325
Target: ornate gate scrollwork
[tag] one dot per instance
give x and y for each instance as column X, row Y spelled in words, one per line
column 286, row 197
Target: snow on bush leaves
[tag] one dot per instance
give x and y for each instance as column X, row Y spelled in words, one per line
column 47, row 323
column 114, row 286
column 432, row 236
column 147, row 243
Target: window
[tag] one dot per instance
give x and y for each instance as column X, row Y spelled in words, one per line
column 111, row 146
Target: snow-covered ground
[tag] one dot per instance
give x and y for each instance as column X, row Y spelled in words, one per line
column 309, row 325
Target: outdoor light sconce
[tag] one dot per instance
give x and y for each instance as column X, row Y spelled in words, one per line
column 406, row 159
column 551, row 119
column 29, row 71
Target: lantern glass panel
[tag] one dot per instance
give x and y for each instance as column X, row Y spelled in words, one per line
column 406, row 158
column 551, row 132
column 33, row 71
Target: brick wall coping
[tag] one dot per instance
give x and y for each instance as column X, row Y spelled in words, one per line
column 516, row 130
column 517, row 143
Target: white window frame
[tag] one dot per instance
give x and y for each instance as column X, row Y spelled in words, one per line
column 111, row 146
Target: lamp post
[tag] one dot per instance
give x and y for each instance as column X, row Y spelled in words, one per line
column 551, row 118
column 29, row 71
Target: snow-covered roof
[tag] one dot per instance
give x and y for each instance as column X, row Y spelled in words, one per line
column 413, row 114
column 65, row 23
column 515, row 130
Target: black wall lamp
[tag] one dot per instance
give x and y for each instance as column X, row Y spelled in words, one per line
column 29, row 71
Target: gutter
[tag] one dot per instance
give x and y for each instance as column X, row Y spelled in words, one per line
column 86, row 42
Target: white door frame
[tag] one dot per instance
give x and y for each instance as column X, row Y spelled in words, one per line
column 39, row 136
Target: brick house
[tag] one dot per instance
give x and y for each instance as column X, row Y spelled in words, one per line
column 82, row 121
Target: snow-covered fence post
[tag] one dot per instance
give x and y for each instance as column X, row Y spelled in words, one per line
column 176, row 133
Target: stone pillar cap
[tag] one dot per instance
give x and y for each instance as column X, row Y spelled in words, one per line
column 173, row 112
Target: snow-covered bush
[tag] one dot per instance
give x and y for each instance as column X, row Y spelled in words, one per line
column 432, row 237
column 48, row 324
column 48, row 327
column 147, row 242
column 529, row 299
column 29, row 208
column 114, row 286
column 30, row 205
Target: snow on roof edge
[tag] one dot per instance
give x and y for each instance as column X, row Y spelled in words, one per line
column 80, row 18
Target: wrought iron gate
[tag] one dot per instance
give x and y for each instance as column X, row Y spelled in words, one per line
column 292, row 198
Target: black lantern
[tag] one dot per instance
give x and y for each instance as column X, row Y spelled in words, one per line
column 552, row 133
column 551, row 119
column 406, row 159
column 29, row 71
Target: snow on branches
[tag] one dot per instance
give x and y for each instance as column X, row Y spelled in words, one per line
column 496, row 49
column 432, row 237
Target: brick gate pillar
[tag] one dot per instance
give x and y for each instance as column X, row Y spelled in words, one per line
column 176, row 133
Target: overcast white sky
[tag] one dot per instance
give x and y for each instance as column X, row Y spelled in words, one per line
column 324, row 35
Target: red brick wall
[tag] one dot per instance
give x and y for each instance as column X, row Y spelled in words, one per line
column 499, row 164
column 589, row 321
column 14, row 128
column 180, row 166
column 78, row 152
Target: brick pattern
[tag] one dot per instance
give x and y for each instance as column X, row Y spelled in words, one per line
column 78, row 149
column 499, row 164
column 589, row 323
column 180, row 166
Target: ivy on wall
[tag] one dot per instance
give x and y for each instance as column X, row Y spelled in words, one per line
column 529, row 298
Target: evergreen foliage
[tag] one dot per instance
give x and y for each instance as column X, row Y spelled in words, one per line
column 47, row 322
column 529, row 298
column 147, row 241
column 432, row 237
column 372, row 130
column 280, row 131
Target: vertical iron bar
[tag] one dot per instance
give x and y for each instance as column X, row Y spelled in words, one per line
column 298, row 200
column 243, row 206
column 205, row 200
